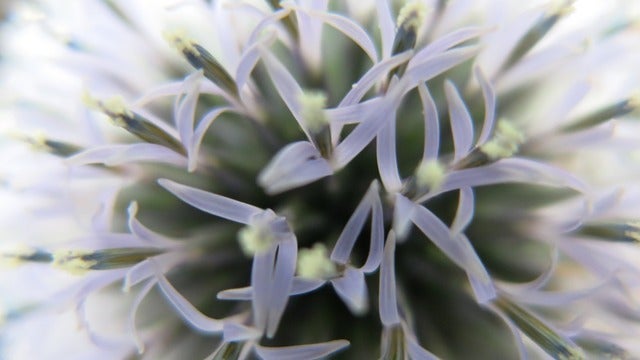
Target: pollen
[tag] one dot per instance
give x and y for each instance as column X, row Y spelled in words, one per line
column 255, row 239
column 73, row 261
column 505, row 143
column 430, row 174
column 313, row 105
column 314, row 263
column 412, row 15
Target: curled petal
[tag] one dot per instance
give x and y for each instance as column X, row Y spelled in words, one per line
column 307, row 352
column 352, row 289
column 114, row 155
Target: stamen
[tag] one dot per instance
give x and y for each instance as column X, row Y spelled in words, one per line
column 263, row 230
column 21, row 254
column 604, row 114
column 40, row 142
column 393, row 343
column 613, row 231
column 121, row 116
column 410, row 19
column 430, row 174
column 80, row 261
column 551, row 342
column 314, row 263
column 537, row 32
column 313, row 104
column 505, row 143
column 200, row 58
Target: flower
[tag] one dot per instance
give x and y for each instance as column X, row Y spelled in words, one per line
column 306, row 179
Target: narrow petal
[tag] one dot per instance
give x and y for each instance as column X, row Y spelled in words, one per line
column 287, row 87
column 342, row 249
column 352, row 114
column 431, row 124
column 436, row 65
column 346, row 26
column 386, row 25
column 188, row 312
column 446, row 42
column 250, row 58
column 387, row 158
column 307, row 352
column 213, row 204
column 193, row 148
column 415, row 351
column 352, row 289
column 114, row 155
column 131, row 323
column 517, row 335
column 186, row 109
column 489, row 96
column 512, row 170
column 372, row 76
column 464, row 214
column 461, row 123
column 377, row 237
column 402, row 213
column 387, row 296
column 299, row 286
column 143, row 232
column 272, row 280
column 295, row 165
column 234, row 332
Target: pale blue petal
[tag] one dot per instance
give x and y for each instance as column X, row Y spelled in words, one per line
column 415, row 351
column 538, row 282
column 287, row 87
column 431, row 124
column 386, row 157
column 402, row 213
column 489, row 96
column 464, row 214
column 271, row 281
column 299, row 286
column 144, row 233
column 306, row 352
column 244, row 293
column 386, row 25
column 295, row 165
column 436, row 65
column 377, row 237
column 372, row 76
column 517, row 336
column 232, row 332
column 445, row 42
column 212, row 203
column 309, row 29
column 270, row 20
column 511, row 170
column 114, row 155
column 346, row 26
column 186, row 109
column 388, row 305
column 193, row 148
column 362, row 135
column 346, row 241
column 192, row 316
column 352, row 114
column 460, row 120
column 131, row 321
column 250, row 58
column 352, row 289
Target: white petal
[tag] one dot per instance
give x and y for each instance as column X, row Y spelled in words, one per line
column 310, row 30
column 213, row 204
column 250, row 58
column 192, row 316
column 431, row 124
column 387, row 297
column 114, row 155
column 352, row 289
column 299, row 286
column 464, row 214
column 295, row 165
column 489, row 96
column 387, row 158
column 307, row 352
column 460, row 120
column 402, row 213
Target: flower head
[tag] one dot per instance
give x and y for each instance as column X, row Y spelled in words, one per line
column 308, row 179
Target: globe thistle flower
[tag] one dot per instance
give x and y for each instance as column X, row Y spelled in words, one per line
column 307, row 179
